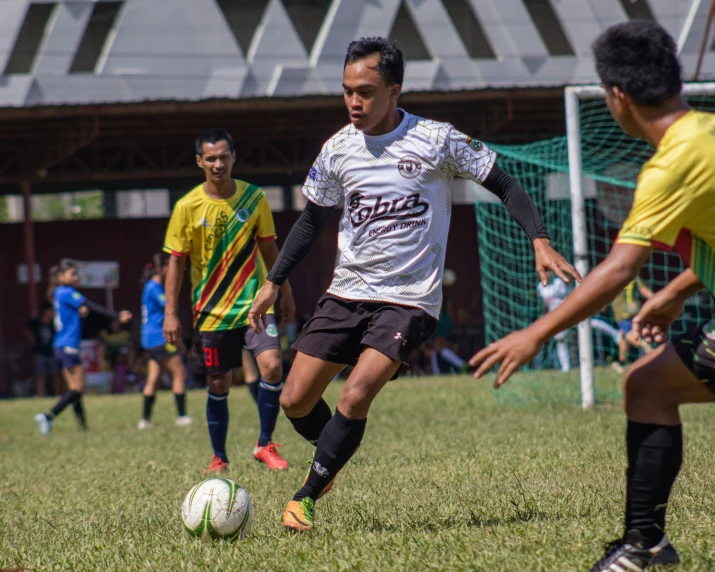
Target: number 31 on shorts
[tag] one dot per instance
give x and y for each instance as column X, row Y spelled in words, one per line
column 211, row 357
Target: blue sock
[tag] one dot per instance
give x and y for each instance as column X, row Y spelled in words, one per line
column 217, row 418
column 268, row 409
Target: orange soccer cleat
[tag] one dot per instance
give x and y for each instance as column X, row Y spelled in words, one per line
column 299, row 515
column 270, row 456
column 217, row 465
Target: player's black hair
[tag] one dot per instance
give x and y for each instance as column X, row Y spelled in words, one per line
column 640, row 58
column 159, row 260
column 64, row 265
column 213, row 136
column 392, row 63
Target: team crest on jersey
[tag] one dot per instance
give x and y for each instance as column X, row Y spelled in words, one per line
column 242, row 215
column 474, row 144
column 409, row 166
column 272, row 331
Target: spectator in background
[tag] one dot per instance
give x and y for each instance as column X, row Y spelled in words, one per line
column 626, row 305
column 41, row 332
column 118, row 342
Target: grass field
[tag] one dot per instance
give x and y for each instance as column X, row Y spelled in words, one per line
column 451, row 476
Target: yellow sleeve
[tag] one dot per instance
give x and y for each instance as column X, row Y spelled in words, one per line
column 266, row 229
column 178, row 233
column 658, row 212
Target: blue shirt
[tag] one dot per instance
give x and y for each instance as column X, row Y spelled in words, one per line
column 153, row 303
column 68, row 323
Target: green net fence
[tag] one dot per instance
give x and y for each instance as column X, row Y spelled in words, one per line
column 611, row 162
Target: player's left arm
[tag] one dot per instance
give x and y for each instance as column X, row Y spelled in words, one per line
column 467, row 157
column 269, row 253
column 599, row 288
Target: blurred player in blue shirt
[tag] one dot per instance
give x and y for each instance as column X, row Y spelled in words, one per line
column 161, row 354
column 70, row 307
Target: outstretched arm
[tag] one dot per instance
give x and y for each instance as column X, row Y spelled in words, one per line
column 599, row 288
column 299, row 242
column 523, row 210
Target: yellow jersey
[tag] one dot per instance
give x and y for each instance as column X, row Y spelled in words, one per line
column 674, row 202
column 221, row 236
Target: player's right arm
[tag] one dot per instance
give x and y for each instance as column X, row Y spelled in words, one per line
column 178, row 245
column 323, row 191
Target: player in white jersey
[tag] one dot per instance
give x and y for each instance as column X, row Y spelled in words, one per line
column 394, row 171
column 553, row 295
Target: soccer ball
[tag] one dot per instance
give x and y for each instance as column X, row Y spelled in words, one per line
column 219, row 509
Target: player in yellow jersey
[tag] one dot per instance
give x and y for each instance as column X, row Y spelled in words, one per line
column 225, row 227
column 673, row 209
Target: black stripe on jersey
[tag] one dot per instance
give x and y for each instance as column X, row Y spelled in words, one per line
column 225, row 284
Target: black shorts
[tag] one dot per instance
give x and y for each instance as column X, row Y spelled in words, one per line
column 697, row 350
column 340, row 328
column 162, row 353
column 221, row 351
column 268, row 339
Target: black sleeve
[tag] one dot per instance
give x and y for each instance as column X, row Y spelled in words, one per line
column 301, row 239
column 101, row 310
column 517, row 201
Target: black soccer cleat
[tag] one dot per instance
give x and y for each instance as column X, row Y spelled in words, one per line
column 628, row 554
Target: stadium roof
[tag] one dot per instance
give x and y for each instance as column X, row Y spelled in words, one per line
column 95, row 51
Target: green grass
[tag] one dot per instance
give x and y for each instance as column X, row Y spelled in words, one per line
column 450, row 476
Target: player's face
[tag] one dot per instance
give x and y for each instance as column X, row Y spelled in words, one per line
column 619, row 106
column 217, row 161
column 69, row 277
column 368, row 98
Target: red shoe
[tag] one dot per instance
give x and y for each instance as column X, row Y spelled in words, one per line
column 217, row 466
column 270, row 456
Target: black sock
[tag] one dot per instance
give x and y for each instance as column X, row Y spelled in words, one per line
column 338, row 442
column 655, row 453
column 68, row 398
column 311, row 426
column 180, row 399
column 253, row 388
column 79, row 411
column 148, row 406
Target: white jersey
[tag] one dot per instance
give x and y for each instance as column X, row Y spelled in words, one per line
column 398, row 201
column 553, row 293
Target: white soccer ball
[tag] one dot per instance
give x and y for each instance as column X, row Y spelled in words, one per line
column 219, row 509
column 449, row 277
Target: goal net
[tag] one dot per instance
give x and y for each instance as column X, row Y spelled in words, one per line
column 609, row 164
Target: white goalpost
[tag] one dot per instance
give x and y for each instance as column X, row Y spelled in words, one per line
column 573, row 95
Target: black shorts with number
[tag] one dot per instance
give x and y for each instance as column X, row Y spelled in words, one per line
column 697, row 350
column 340, row 328
column 162, row 353
column 221, row 351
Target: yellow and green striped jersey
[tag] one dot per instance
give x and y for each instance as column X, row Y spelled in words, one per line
column 221, row 236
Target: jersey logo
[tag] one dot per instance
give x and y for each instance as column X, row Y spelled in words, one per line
column 409, row 166
column 242, row 215
column 203, row 222
column 313, row 173
column 474, row 144
column 400, row 209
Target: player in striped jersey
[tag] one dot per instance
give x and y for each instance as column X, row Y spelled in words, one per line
column 225, row 227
